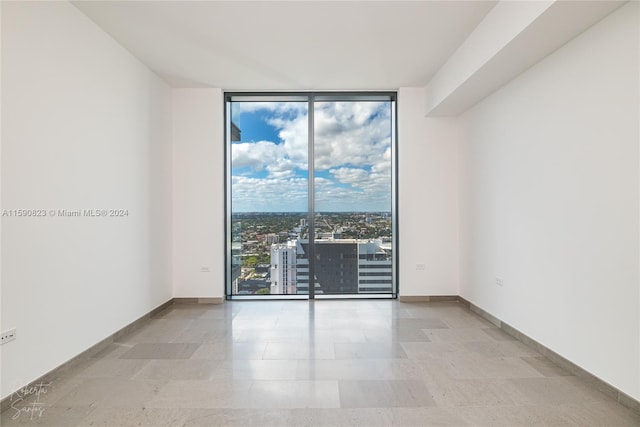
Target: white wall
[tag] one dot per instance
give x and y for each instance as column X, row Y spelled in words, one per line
column 427, row 199
column 1, row 323
column 85, row 126
column 198, row 165
column 550, row 202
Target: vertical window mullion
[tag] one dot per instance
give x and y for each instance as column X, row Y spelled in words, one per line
column 312, row 197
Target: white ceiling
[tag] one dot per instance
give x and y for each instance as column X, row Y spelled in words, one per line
column 295, row 45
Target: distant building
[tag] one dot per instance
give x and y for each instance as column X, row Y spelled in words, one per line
column 343, row 266
column 262, row 268
column 375, row 267
column 283, row 268
column 236, row 255
column 251, row 286
column 235, row 132
column 272, row 238
column 336, row 266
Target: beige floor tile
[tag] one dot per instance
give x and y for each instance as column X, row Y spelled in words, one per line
column 111, row 393
column 457, row 335
column 299, row 350
column 504, row 416
column 463, row 320
column 387, row 393
column 44, row 416
column 440, row 310
column 113, row 368
column 369, row 351
column 600, row 414
column 161, row 351
column 403, row 417
column 238, row 417
column 546, row 367
column 472, row 366
column 232, row 350
column 349, row 369
column 257, row 323
column 202, row 394
column 144, row 417
column 427, row 350
column 558, row 391
column 358, row 369
column 363, row 417
column 450, row 393
column 178, row 369
column 400, row 369
column 270, row 336
column 338, row 336
column 499, row 349
column 338, row 322
column 217, row 313
column 157, row 331
column 47, row 392
column 293, row 394
column 416, row 324
column 256, row 370
column 200, row 336
column 395, row 334
column 113, row 350
column 603, row 414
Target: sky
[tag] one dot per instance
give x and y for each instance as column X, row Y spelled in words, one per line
column 352, row 157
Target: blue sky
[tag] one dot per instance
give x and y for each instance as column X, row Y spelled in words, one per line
column 352, row 157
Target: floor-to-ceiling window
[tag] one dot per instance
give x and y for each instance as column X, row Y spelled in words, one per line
column 311, row 193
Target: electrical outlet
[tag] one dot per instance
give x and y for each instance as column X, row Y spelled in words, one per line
column 7, row 336
column 499, row 281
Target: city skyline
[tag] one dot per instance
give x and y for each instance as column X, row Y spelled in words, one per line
column 353, row 253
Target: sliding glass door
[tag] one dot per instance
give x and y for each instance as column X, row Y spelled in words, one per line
column 267, row 194
column 353, row 196
column 288, row 222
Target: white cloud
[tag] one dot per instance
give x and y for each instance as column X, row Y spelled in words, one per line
column 351, row 133
column 352, row 142
column 352, row 176
column 269, row 194
column 294, row 134
column 256, row 155
column 275, row 107
column 281, row 169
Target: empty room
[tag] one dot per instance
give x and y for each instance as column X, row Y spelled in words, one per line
column 320, row 213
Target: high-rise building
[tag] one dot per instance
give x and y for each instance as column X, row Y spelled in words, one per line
column 272, row 238
column 342, row 266
column 375, row 267
column 283, row 268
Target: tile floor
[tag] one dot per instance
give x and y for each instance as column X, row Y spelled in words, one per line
column 322, row 363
